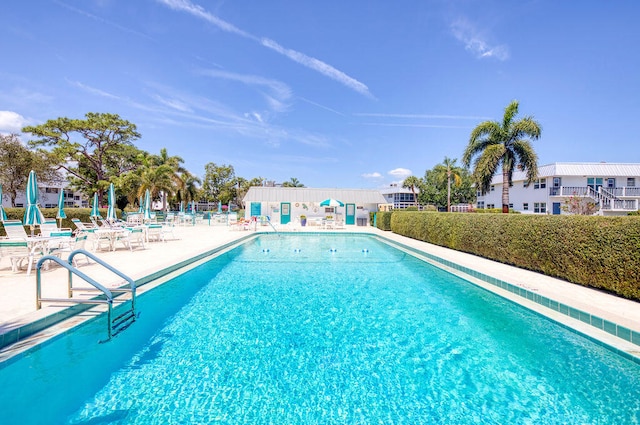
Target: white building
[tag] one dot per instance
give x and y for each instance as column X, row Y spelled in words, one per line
column 48, row 198
column 613, row 187
column 399, row 197
column 286, row 204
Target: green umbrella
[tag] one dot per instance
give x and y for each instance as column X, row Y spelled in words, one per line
column 146, row 210
column 32, row 215
column 95, row 211
column 3, row 215
column 61, row 214
column 111, row 210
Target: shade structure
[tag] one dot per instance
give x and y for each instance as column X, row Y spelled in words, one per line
column 3, row 215
column 331, row 203
column 61, row 214
column 95, row 208
column 111, row 210
column 32, row 214
column 219, row 206
column 146, row 209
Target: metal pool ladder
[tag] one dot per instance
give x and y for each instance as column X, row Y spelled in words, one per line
column 115, row 325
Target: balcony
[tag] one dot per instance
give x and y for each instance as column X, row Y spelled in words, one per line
column 608, row 198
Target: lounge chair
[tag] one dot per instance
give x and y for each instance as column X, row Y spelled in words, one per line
column 19, row 247
column 84, row 227
column 129, row 237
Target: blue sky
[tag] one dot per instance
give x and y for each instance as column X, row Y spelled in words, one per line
column 349, row 94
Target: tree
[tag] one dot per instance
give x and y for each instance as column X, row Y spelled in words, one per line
column 174, row 163
column 436, row 190
column 294, row 182
column 506, row 145
column 243, row 186
column 16, row 161
column 448, row 171
column 219, row 183
column 106, row 149
column 579, row 206
column 188, row 190
column 412, row 182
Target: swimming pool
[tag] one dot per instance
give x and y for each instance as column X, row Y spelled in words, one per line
column 320, row 329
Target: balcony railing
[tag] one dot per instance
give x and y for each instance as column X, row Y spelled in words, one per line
column 609, row 198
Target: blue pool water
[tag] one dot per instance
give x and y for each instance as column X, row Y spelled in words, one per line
column 322, row 329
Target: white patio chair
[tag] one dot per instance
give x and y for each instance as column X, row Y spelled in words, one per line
column 129, row 237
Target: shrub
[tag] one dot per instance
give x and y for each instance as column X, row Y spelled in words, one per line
column 594, row 251
column 383, row 220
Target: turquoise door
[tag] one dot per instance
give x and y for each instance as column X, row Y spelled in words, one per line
column 285, row 212
column 256, row 209
column 350, row 214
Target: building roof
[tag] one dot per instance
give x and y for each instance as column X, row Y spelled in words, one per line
column 389, row 190
column 305, row 194
column 586, row 169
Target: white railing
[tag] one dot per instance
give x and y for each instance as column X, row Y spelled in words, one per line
column 609, row 198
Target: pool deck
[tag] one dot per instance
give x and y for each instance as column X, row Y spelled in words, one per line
column 18, row 306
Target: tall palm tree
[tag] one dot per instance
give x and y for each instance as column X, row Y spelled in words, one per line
column 174, row 163
column 412, row 182
column 507, row 145
column 449, row 171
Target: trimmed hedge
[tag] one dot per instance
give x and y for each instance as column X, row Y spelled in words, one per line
column 594, row 251
column 79, row 213
column 383, row 220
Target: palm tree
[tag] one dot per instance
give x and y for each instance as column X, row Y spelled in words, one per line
column 448, row 170
column 293, row 182
column 174, row 163
column 506, row 144
column 412, row 182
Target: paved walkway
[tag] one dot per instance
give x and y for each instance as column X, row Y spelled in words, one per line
column 17, row 297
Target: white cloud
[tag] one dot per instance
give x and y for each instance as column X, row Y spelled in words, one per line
column 173, row 103
column 374, row 175
column 301, row 58
column 11, row 122
column 476, row 42
column 400, row 173
column 278, row 89
column 319, row 66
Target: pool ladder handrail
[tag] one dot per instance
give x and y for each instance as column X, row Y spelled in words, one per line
column 119, row 323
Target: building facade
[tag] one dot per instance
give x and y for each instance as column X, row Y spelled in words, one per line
column 399, row 197
column 48, row 198
column 285, row 205
column 614, row 188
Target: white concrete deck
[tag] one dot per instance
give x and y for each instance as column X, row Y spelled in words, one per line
column 18, row 305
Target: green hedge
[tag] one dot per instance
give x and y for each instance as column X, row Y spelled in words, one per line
column 383, row 220
column 598, row 252
column 79, row 213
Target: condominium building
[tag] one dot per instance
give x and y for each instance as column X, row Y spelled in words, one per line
column 614, row 188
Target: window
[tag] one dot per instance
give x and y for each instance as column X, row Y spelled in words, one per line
column 510, row 206
column 631, row 182
column 51, row 190
column 493, row 188
column 525, row 183
column 525, row 206
column 479, row 194
column 611, row 183
column 540, row 184
column 491, row 206
column 480, row 205
column 540, row 207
